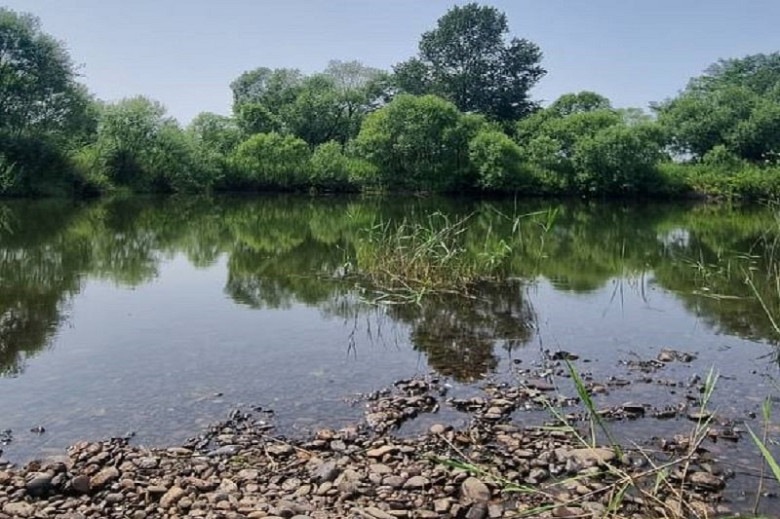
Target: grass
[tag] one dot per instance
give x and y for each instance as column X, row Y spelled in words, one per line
column 403, row 262
column 665, row 497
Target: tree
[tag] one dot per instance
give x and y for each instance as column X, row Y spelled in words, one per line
column 216, row 132
column 270, row 160
column 38, row 88
column 418, row 142
column 271, row 88
column 327, row 106
column 734, row 104
column 468, row 60
column 498, row 160
column 619, row 159
column 759, row 73
column 141, row 147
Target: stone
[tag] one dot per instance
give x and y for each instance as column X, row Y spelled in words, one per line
column 706, row 480
column 114, row 498
column 477, row 511
column 442, row 506
column 394, row 481
column 379, row 468
column 378, row 513
column 171, row 497
column 228, row 486
column 104, row 477
column 437, row 428
column 475, row 491
column 146, row 463
column 81, row 484
column 381, row 451
column 39, row 485
column 19, row 509
column 327, row 471
column 598, row 455
column 417, row 482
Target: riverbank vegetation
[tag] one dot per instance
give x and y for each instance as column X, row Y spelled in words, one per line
column 457, row 118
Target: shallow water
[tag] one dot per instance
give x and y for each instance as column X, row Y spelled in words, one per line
column 158, row 316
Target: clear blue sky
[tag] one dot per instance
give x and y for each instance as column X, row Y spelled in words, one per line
column 185, row 53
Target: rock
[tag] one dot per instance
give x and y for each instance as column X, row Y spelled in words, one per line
column 567, row 512
column 394, row 481
column 228, row 486
column 19, row 509
column 442, row 506
column 598, row 455
column 279, row 449
column 477, row 511
column 378, row 513
column 114, row 498
column 540, row 384
column 104, row 477
column 81, row 484
column 381, row 451
column 39, row 485
column 171, row 497
column 475, row 491
column 146, row 463
column 417, row 482
column 437, row 428
column 227, row 450
column 327, row 471
column 379, row 468
column 706, row 480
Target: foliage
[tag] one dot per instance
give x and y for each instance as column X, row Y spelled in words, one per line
column 418, row 143
column 38, row 88
column 216, row 133
column 269, row 161
column 331, row 169
column 735, row 104
column 619, row 159
column 139, row 147
column 498, row 161
column 318, row 108
column 468, row 60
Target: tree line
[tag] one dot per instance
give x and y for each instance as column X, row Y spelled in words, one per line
column 457, row 118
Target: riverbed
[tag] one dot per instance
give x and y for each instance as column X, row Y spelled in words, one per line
column 151, row 318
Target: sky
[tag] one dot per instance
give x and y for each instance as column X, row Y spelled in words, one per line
column 185, row 53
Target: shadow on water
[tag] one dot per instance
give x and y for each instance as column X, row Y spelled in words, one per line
column 285, row 250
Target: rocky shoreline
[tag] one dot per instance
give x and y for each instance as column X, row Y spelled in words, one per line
column 490, row 468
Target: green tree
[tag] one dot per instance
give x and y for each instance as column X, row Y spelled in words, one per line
column 498, row 161
column 141, row 148
column 619, row 159
column 418, row 142
column 469, row 60
column 549, row 136
column 215, row 132
column 735, row 104
column 38, row 88
column 272, row 88
column 270, row 161
column 330, row 168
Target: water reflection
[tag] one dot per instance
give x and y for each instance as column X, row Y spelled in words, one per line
column 285, row 250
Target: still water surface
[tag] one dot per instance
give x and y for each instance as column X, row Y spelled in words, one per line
column 158, row 316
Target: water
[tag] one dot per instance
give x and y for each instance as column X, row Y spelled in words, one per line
column 158, row 316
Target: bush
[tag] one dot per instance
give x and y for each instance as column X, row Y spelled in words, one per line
column 418, row 143
column 329, row 168
column 269, row 161
column 619, row 159
column 498, row 161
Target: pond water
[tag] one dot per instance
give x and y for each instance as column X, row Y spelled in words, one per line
column 159, row 316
